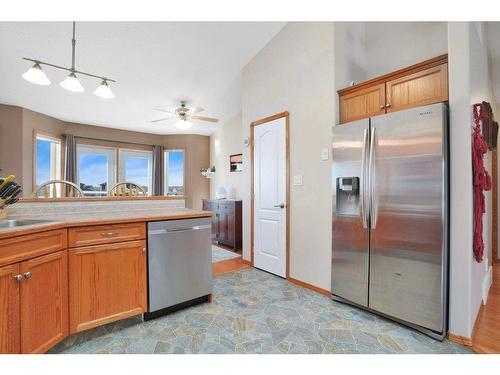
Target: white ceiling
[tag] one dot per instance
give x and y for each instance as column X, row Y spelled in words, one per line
column 155, row 64
column 493, row 33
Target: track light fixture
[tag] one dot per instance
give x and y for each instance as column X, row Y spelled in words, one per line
column 36, row 75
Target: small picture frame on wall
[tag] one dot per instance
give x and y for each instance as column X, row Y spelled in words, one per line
column 236, row 163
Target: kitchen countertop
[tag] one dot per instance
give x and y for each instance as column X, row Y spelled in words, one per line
column 60, row 221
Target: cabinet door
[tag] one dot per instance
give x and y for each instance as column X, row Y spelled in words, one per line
column 362, row 103
column 425, row 87
column 106, row 283
column 231, row 233
column 9, row 310
column 222, row 226
column 215, row 226
column 44, row 302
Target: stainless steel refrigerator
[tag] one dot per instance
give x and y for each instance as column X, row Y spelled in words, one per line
column 390, row 216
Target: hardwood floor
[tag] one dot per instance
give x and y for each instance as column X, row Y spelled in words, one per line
column 230, row 265
column 486, row 338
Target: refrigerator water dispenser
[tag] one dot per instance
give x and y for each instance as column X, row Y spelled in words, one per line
column 347, row 196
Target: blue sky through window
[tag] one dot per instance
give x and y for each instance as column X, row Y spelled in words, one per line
column 93, row 169
column 175, row 168
column 137, row 170
column 42, row 161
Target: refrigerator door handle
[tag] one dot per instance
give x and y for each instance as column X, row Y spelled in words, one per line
column 371, row 177
column 364, row 182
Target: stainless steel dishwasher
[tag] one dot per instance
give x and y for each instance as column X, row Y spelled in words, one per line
column 179, row 264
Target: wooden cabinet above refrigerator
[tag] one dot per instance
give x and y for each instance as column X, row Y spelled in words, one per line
column 420, row 84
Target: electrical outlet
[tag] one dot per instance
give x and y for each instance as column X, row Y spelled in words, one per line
column 325, row 155
column 297, row 180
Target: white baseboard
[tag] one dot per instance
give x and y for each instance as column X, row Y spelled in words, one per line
column 487, row 280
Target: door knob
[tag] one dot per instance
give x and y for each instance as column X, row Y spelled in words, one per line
column 27, row 275
column 282, row 205
column 18, row 278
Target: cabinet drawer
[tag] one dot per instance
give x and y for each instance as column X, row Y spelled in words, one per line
column 226, row 207
column 20, row 248
column 102, row 234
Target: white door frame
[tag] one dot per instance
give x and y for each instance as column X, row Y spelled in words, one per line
column 286, row 115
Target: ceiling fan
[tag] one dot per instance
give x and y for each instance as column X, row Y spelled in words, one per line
column 184, row 115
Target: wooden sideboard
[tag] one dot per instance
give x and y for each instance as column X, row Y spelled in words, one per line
column 226, row 221
column 420, row 84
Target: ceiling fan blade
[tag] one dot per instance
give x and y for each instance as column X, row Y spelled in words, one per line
column 163, row 119
column 194, row 110
column 164, row 110
column 203, row 118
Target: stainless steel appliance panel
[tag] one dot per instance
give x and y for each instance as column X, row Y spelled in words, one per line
column 350, row 233
column 408, row 252
column 179, row 261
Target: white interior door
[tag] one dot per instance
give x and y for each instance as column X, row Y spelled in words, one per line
column 270, row 196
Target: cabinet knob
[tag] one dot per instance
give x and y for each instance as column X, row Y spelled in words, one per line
column 387, row 105
column 382, row 106
column 143, row 249
column 18, row 278
column 27, row 275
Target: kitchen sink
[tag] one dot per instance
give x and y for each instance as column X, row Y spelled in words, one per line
column 20, row 223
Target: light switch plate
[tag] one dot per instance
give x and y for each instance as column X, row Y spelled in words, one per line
column 297, row 180
column 325, row 154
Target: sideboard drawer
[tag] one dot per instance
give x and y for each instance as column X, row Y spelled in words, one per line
column 102, row 234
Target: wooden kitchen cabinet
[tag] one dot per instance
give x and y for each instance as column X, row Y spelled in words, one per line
column 363, row 103
column 34, row 304
column 10, row 342
column 107, row 283
column 417, row 85
column 425, row 87
column 44, row 302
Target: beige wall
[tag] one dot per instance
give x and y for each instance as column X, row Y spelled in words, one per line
column 295, row 73
column 35, row 121
column 16, row 142
column 224, row 142
column 11, row 133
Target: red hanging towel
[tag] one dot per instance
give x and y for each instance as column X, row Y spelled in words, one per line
column 481, row 180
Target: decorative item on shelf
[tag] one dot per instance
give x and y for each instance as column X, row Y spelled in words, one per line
column 9, row 191
column 36, row 75
column 208, row 172
column 221, row 193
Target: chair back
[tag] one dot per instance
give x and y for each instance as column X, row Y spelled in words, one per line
column 57, row 189
column 127, row 189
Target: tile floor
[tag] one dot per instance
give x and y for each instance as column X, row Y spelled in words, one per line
column 219, row 254
column 255, row 312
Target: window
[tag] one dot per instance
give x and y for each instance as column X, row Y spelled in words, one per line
column 174, row 172
column 96, row 168
column 47, row 158
column 136, row 166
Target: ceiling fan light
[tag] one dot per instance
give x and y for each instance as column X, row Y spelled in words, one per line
column 71, row 83
column 183, row 124
column 36, row 75
column 104, row 91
